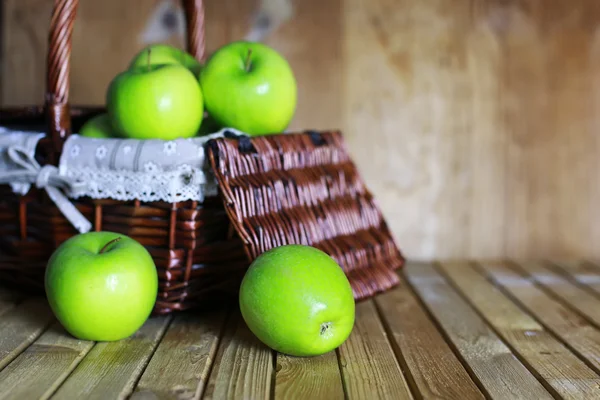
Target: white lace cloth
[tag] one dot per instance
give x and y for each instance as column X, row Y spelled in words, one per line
column 120, row 169
column 148, row 170
column 27, row 141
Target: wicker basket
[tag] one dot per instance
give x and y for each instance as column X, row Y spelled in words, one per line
column 295, row 188
column 195, row 251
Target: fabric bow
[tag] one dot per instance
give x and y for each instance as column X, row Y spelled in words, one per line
column 48, row 178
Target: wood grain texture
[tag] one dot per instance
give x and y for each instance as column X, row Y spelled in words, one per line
column 20, row 326
column 565, row 374
column 316, row 60
column 562, row 288
column 111, row 369
column 429, row 360
column 180, row 365
column 243, row 367
column 486, row 354
column 574, row 330
column 483, row 119
column 47, row 363
column 585, row 273
column 369, row 367
column 308, row 377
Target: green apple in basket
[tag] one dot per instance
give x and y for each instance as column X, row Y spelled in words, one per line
column 158, row 101
column 98, row 126
column 101, row 286
column 249, row 86
column 165, row 54
column 297, row 300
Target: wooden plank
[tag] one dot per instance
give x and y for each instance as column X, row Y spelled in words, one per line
column 427, row 358
column 547, row 59
column 584, row 273
column 573, row 295
column 182, row 361
column 574, row 330
column 308, row 377
column 480, row 348
column 243, row 367
column 39, row 370
column 20, row 326
column 318, row 75
column 561, row 370
column 401, row 76
column 111, row 369
column 369, row 368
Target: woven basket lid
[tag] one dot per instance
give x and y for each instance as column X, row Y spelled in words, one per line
column 303, row 188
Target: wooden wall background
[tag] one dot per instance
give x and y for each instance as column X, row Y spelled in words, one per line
column 475, row 122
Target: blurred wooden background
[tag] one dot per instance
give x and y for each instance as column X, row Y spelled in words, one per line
column 475, row 122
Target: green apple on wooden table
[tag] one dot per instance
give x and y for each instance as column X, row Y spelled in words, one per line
column 165, row 54
column 249, row 86
column 297, row 300
column 101, row 286
column 156, row 101
column 98, row 126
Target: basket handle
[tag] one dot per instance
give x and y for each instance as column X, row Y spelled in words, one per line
column 59, row 60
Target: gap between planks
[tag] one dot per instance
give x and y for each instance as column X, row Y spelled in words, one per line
column 563, row 373
column 432, row 367
column 478, row 346
column 572, row 329
column 379, row 331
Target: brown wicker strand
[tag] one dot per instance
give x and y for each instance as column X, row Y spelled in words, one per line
column 58, row 68
column 194, row 12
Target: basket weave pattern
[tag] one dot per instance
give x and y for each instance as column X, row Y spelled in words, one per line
column 190, row 243
column 304, row 189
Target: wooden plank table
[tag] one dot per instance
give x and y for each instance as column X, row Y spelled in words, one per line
column 456, row 330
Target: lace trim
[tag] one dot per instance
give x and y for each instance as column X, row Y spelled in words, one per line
column 183, row 184
column 147, row 170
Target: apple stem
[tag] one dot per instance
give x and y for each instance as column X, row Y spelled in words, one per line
column 115, row 240
column 148, row 59
column 248, row 61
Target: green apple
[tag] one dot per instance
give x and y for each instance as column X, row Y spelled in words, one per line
column 155, row 102
column 250, row 87
column 157, row 54
column 297, row 300
column 101, row 286
column 98, row 127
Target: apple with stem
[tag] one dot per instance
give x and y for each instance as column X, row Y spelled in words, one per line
column 297, row 300
column 250, row 87
column 101, row 286
column 158, row 101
